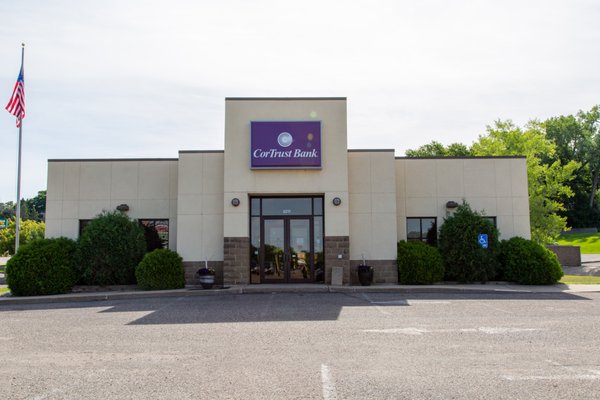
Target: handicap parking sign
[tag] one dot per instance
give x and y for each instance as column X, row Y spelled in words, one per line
column 483, row 240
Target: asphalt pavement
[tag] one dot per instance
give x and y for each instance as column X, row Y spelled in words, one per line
column 329, row 346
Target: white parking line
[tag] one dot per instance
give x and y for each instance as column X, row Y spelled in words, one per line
column 484, row 329
column 329, row 392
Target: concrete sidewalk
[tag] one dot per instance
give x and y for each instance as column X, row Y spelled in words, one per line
column 491, row 288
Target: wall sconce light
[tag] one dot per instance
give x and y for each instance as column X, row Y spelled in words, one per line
column 235, row 202
column 451, row 205
column 123, row 207
column 336, row 201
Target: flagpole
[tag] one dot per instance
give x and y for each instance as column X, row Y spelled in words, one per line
column 18, row 210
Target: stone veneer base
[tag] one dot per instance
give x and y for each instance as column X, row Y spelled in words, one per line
column 236, row 260
column 385, row 271
column 191, row 267
column 337, row 254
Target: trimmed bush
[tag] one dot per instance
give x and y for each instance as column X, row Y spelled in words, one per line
column 159, row 270
column 42, row 267
column 464, row 258
column 419, row 264
column 528, row 263
column 110, row 247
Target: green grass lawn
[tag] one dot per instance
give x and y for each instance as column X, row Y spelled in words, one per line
column 589, row 242
column 580, row 280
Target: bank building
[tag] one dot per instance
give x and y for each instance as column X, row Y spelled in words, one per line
column 286, row 201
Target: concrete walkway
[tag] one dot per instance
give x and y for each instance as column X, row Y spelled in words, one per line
column 590, row 266
column 491, row 288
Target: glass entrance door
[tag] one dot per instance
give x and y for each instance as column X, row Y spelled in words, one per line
column 286, row 239
column 287, row 253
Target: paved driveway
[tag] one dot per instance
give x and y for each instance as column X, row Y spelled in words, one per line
column 310, row 346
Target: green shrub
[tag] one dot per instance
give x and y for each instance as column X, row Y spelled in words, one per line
column 528, row 263
column 44, row 266
column 419, row 264
column 110, row 247
column 161, row 269
column 464, row 258
column 29, row 230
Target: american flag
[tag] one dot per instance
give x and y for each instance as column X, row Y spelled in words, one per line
column 16, row 104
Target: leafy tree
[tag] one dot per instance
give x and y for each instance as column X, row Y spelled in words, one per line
column 577, row 138
column 34, row 208
column 436, row 149
column 29, row 231
column 547, row 182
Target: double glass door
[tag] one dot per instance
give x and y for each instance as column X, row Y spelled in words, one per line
column 287, row 254
column 286, row 239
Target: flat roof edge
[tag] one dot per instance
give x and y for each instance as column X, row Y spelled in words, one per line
column 282, row 98
column 457, row 157
column 200, row 151
column 108, row 159
column 371, row 150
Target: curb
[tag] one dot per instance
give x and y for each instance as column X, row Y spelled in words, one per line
column 192, row 291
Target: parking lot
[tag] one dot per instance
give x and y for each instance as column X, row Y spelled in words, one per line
column 311, row 346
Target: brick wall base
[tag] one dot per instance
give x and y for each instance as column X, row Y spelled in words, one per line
column 385, row 271
column 336, row 246
column 191, row 267
column 236, row 260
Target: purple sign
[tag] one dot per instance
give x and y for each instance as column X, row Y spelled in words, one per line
column 284, row 145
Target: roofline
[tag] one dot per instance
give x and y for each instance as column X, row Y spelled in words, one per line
column 200, row 151
column 108, row 159
column 371, row 150
column 283, row 98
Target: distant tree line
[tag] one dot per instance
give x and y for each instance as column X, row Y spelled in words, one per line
column 31, row 209
column 563, row 167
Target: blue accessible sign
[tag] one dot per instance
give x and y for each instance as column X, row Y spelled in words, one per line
column 483, row 240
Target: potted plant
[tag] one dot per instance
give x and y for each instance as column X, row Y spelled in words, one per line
column 365, row 273
column 207, row 276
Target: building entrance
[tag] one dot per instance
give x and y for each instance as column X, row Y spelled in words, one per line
column 286, row 239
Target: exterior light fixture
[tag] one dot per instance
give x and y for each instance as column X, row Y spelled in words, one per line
column 451, row 205
column 235, row 202
column 336, row 201
column 123, row 207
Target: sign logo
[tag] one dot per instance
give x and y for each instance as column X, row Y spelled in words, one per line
column 483, row 240
column 285, row 139
column 285, row 144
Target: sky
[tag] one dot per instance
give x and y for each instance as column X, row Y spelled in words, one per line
column 145, row 79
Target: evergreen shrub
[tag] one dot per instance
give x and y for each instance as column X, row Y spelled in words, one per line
column 110, row 247
column 419, row 264
column 159, row 270
column 528, row 263
column 464, row 258
column 42, row 267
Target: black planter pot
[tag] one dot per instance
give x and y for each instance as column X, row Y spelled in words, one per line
column 207, row 281
column 365, row 275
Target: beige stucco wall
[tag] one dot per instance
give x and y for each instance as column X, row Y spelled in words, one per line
column 240, row 180
column 496, row 186
column 372, row 205
column 81, row 189
column 200, row 206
